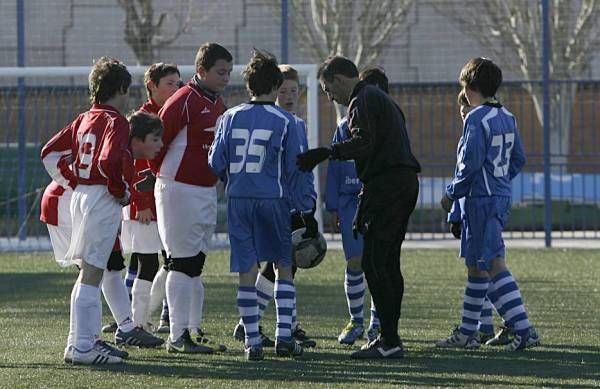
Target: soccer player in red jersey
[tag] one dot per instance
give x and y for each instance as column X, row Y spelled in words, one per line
column 186, row 197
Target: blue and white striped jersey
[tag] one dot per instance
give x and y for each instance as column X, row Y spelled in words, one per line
column 490, row 154
column 255, row 151
column 342, row 178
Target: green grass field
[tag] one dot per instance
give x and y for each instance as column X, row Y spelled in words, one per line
column 561, row 289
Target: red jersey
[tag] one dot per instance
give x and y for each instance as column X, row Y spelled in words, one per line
column 150, row 106
column 56, row 157
column 142, row 185
column 189, row 118
column 100, row 144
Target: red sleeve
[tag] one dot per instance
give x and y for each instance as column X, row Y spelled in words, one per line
column 174, row 117
column 57, row 156
column 114, row 151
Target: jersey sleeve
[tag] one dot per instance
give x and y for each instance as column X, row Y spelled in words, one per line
column 454, row 216
column 298, row 183
column 471, row 157
column 218, row 159
column 360, row 144
column 517, row 157
column 57, row 157
column 112, row 156
column 174, row 117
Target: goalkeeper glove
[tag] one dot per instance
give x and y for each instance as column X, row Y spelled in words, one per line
column 308, row 160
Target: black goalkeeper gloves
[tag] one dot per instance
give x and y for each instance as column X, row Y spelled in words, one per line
column 308, row 160
column 455, row 229
column 312, row 226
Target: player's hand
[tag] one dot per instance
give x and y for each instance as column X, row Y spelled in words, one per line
column 455, row 229
column 311, row 158
column 446, row 203
column 312, row 226
column 145, row 216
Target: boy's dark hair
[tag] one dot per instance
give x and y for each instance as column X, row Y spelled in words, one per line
column 462, row 98
column 262, row 74
column 107, row 77
column 157, row 71
column 209, row 53
column 289, row 73
column 142, row 123
column 180, row 83
column 481, row 75
column 337, row 65
column 375, row 76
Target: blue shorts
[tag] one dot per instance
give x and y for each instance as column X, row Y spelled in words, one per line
column 347, row 209
column 259, row 230
column 482, row 225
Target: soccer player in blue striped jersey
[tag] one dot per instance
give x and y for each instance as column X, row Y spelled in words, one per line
column 254, row 152
column 490, row 154
column 287, row 98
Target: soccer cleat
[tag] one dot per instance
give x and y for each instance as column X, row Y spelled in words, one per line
column 460, row 340
column 110, row 350
column 110, row 328
column 300, row 335
column 503, row 337
column 373, row 333
column 68, row 355
column 163, row 327
column 239, row 332
column 377, row 349
column 288, row 349
column 184, row 344
column 255, row 353
column 484, row 337
column 265, row 340
column 94, row 356
column 137, row 337
column 351, row 333
column 526, row 340
column 200, row 338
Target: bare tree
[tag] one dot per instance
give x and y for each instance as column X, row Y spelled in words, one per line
column 509, row 27
column 146, row 30
column 357, row 29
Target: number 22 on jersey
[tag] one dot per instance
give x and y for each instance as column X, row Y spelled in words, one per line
column 252, row 146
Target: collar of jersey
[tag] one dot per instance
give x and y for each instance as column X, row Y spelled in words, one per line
column 200, row 88
column 261, row 102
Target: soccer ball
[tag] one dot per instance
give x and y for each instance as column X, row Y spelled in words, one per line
column 308, row 252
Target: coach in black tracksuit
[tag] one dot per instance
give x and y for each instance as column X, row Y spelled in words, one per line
column 385, row 164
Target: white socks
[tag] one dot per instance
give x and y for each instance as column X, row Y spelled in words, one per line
column 197, row 304
column 179, row 291
column 141, row 301
column 117, row 299
column 86, row 310
column 157, row 293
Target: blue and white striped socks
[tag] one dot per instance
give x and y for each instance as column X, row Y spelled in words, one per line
column 486, row 322
column 285, row 294
column 374, row 317
column 248, row 309
column 354, row 286
column 473, row 301
column 510, row 303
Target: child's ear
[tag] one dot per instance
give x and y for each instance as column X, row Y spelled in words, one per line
column 201, row 71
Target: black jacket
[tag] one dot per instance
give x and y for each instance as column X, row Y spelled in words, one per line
column 379, row 141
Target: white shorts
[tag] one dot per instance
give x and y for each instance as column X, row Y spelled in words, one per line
column 96, row 217
column 60, row 234
column 186, row 217
column 140, row 238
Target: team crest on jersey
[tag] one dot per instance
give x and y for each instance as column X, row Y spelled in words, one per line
column 147, row 183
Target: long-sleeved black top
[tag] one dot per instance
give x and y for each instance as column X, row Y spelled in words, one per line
column 379, row 141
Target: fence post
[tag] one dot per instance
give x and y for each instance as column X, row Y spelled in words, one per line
column 546, row 125
column 284, row 31
column 22, row 151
